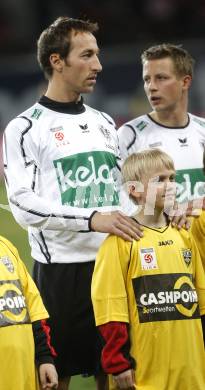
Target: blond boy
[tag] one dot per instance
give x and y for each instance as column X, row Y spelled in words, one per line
column 149, row 295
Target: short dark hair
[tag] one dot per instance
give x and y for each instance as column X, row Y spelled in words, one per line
column 56, row 39
column 182, row 60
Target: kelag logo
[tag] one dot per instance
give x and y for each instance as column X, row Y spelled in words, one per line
column 190, row 184
column 165, row 297
column 88, row 179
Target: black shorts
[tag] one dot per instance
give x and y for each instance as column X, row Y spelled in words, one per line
column 66, row 293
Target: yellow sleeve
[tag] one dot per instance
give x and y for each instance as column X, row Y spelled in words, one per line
column 108, row 289
column 199, row 276
column 34, row 302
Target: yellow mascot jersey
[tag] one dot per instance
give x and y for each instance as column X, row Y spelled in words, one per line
column 157, row 285
column 198, row 231
column 20, row 305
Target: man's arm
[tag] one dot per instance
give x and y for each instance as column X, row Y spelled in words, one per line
column 31, row 209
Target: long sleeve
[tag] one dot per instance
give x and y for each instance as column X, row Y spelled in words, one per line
column 115, row 354
column 23, row 172
column 44, row 352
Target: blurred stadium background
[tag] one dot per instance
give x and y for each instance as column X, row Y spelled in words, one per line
column 127, row 27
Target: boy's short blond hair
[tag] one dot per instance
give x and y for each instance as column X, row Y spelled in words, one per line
column 137, row 165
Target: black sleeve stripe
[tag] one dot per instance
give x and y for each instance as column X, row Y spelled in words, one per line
column 117, row 164
column 44, row 250
column 111, row 123
column 47, row 254
column 30, row 124
column 134, row 137
column 5, row 148
column 34, row 177
column 40, row 214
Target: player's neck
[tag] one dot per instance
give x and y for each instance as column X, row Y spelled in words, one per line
column 60, row 93
column 158, row 219
column 170, row 118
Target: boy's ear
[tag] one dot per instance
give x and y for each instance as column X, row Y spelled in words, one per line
column 134, row 191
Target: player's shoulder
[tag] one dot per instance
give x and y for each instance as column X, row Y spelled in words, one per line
column 26, row 119
column 138, row 125
column 197, row 120
column 7, row 246
column 100, row 115
column 115, row 242
column 186, row 236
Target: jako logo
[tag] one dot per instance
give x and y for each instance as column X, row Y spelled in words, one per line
column 167, row 242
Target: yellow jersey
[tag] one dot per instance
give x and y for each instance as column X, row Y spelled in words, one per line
column 198, row 231
column 20, row 305
column 157, row 285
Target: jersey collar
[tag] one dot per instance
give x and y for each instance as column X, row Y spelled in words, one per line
column 73, row 108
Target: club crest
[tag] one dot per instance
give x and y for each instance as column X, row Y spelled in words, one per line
column 186, row 253
column 8, row 263
column 105, row 132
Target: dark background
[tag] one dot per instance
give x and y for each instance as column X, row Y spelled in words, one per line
column 127, row 27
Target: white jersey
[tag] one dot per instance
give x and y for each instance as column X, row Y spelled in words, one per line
column 184, row 144
column 60, row 168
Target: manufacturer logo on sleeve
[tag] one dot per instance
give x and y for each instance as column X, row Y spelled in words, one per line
column 148, row 259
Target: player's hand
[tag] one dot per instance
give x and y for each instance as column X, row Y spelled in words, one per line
column 117, row 223
column 178, row 216
column 195, row 207
column 48, row 376
column 125, row 380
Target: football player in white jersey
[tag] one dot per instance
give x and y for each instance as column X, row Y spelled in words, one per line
column 61, row 169
column 167, row 75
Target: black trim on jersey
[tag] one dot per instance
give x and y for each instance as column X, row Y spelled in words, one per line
column 203, row 326
column 169, row 127
column 45, row 253
column 73, row 108
column 40, row 214
column 134, row 139
column 5, row 154
column 151, row 228
column 90, row 220
column 111, row 123
column 117, row 165
column 27, row 163
column 34, row 177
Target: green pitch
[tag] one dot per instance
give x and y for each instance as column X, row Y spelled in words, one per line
column 18, row 236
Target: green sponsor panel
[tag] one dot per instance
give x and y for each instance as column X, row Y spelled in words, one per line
column 191, row 184
column 88, row 179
